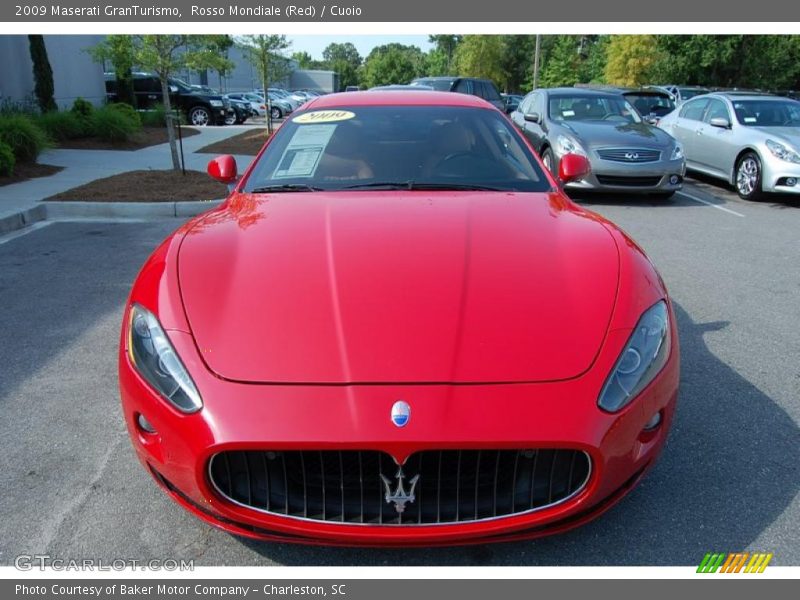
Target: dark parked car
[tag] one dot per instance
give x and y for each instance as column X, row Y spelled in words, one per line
column 483, row 88
column 199, row 108
column 511, row 102
column 240, row 111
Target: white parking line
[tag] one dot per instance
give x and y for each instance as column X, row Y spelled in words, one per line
column 24, row 231
column 711, row 204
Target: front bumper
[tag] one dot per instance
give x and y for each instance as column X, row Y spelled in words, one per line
column 239, row 416
column 777, row 174
column 606, row 175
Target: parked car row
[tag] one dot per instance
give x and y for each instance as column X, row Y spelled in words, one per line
column 750, row 140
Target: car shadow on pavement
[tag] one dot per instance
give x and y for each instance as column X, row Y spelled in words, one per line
column 728, row 471
column 720, row 189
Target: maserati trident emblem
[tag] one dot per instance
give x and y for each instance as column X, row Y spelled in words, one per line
column 401, row 413
column 632, row 155
column 399, row 497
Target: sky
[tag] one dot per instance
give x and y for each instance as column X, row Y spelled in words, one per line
column 315, row 44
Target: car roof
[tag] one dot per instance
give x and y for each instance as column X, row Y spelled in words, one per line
column 395, row 98
column 746, row 96
column 581, row 91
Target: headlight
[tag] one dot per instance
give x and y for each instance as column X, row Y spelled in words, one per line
column 215, row 103
column 677, row 152
column 642, row 358
column 151, row 352
column 783, row 152
column 566, row 145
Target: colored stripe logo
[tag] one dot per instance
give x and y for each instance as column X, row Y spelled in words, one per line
column 734, row 562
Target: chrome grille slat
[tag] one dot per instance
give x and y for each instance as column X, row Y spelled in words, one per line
column 629, row 155
column 344, row 486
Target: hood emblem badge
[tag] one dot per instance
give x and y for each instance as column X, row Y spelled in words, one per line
column 632, row 155
column 401, row 413
column 399, row 497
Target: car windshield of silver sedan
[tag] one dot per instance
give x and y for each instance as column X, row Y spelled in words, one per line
column 397, row 147
column 592, row 108
column 767, row 113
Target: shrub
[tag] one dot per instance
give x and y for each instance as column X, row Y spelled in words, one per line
column 82, row 107
column 7, row 160
column 113, row 125
column 26, row 139
column 155, row 117
column 61, row 126
column 128, row 111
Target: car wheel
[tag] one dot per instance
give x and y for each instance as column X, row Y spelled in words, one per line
column 547, row 159
column 276, row 112
column 748, row 177
column 200, row 116
column 231, row 119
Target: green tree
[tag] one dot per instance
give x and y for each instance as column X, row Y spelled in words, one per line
column 481, row 56
column 303, row 60
column 630, row 59
column 264, row 52
column 42, row 74
column 393, row 63
column 571, row 59
column 345, row 60
column 211, row 52
column 445, row 46
column 119, row 51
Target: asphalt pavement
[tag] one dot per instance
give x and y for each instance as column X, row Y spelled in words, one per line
column 71, row 487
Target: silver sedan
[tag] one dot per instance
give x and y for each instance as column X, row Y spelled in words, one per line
column 626, row 154
column 751, row 141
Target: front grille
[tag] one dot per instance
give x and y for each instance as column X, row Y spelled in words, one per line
column 451, row 485
column 628, row 181
column 629, row 155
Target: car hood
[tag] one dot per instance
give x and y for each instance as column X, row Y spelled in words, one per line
column 788, row 135
column 400, row 287
column 597, row 134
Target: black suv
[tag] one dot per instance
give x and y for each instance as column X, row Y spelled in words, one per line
column 198, row 107
column 483, row 88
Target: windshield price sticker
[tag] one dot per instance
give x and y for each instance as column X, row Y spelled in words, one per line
column 301, row 157
column 325, row 116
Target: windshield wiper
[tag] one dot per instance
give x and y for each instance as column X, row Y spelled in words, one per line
column 414, row 185
column 285, row 187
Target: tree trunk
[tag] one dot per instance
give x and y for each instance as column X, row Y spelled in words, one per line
column 265, row 78
column 170, row 123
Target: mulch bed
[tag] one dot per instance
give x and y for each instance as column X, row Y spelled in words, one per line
column 148, row 136
column 25, row 171
column 147, row 186
column 249, row 142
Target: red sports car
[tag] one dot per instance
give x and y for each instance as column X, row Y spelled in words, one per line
column 398, row 330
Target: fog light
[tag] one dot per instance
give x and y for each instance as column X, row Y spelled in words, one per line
column 674, row 179
column 791, row 181
column 144, row 424
column 654, row 422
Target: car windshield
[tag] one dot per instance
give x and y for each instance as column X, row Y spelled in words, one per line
column 687, row 93
column 767, row 113
column 651, row 104
column 578, row 107
column 397, row 147
column 440, row 85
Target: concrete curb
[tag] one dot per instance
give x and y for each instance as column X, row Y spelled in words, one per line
column 103, row 210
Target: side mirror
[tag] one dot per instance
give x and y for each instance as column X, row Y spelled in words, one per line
column 223, row 169
column 572, row 167
column 173, row 89
column 532, row 117
column 720, row 122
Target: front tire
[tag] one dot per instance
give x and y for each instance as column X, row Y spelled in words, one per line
column 200, row 116
column 276, row 113
column 748, row 177
column 231, row 119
